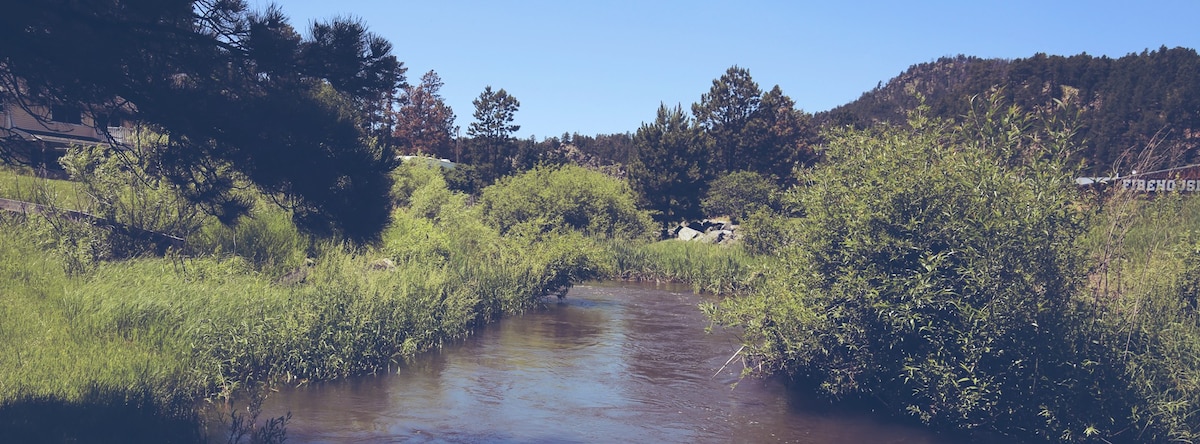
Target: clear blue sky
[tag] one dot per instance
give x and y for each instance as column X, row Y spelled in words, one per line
column 604, row 66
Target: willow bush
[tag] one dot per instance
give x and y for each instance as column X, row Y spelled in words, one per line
column 934, row 271
column 565, row 198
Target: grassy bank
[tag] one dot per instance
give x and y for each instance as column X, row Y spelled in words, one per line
column 717, row 269
column 22, row 184
column 253, row 304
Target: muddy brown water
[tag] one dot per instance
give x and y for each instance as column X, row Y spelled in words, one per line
column 613, row 362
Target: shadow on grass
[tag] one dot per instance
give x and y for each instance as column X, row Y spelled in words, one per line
column 111, row 420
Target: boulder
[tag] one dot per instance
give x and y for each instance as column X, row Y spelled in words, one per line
column 687, row 233
column 716, row 236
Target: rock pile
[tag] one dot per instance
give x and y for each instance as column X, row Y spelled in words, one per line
column 711, row 231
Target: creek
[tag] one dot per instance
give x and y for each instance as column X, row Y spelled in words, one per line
column 612, row 362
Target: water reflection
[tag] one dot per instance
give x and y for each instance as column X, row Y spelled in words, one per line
column 615, row 362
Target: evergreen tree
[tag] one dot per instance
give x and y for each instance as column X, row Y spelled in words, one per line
column 790, row 137
column 492, row 147
column 241, row 96
column 752, row 131
column 669, row 169
column 726, row 114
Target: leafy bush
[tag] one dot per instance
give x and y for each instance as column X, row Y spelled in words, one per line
column 740, row 194
column 121, row 205
column 551, row 199
column 767, row 233
column 422, row 190
column 266, row 237
column 937, row 278
column 412, row 175
column 123, row 191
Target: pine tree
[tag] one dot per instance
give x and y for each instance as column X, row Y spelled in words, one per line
column 241, row 96
column 669, row 169
column 492, row 147
column 752, row 131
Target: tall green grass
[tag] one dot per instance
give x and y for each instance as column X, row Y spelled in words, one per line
column 718, row 269
column 1144, row 287
column 257, row 303
column 20, row 184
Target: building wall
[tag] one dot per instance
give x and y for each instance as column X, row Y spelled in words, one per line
column 19, row 118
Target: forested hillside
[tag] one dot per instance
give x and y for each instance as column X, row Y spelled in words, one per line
column 1125, row 105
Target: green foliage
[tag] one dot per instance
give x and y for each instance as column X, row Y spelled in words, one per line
column 740, row 194
column 22, row 184
column 1157, row 328
column 266, row 238
column 165, row 332
column 122, row 189
column 751, row 130
column 546, row 200
column 736, row 128
column 242, row 96
column 717, row 269
column 423, row 190
column 934, row 277
column 766, row 232
column 412, row 175
column 78, row 247
column 1144, row 289
column 670, row 168
column 113, row 186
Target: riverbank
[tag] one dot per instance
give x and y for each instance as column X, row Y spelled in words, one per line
column 95, row 325
column 88, row 334
column 707, row 268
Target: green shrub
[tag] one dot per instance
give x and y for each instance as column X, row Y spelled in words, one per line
column 937, row 278
column 740, row 194
column 569, row 197
column 412, row 175
column 266, row 237
column 766, row 232
column 123, row 191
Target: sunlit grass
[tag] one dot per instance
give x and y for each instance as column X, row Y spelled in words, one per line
column 1142, row 289
column 21, row 184
column 256, row 303
column 719, row 269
